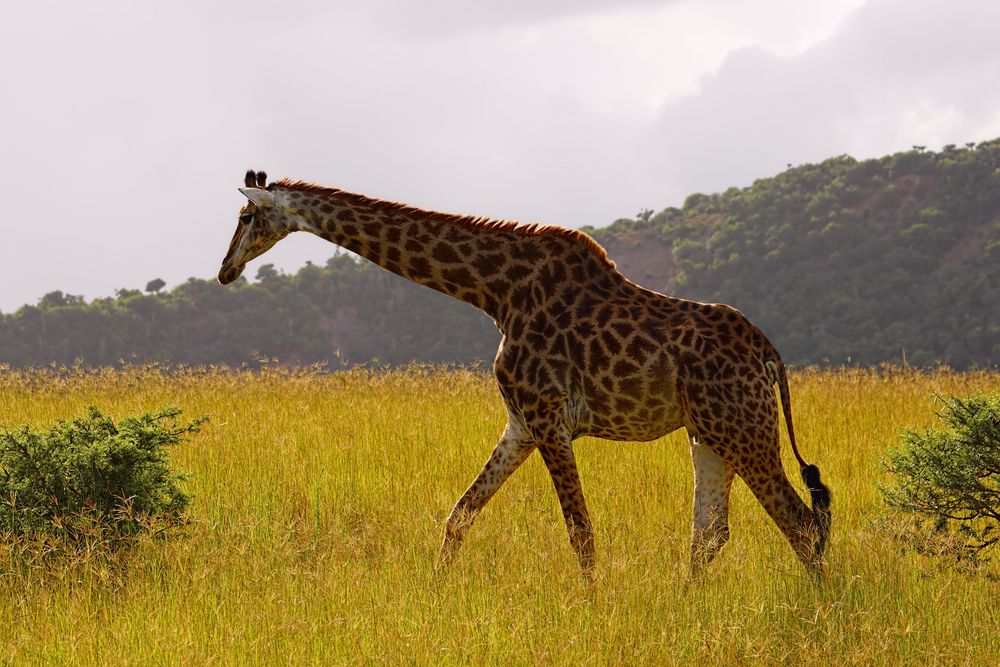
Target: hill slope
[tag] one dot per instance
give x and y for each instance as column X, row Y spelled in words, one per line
column 865, row 261
column 843, row 261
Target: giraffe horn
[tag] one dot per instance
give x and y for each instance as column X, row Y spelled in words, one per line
column 250, row 179
column 259, row 197
column 261, row 179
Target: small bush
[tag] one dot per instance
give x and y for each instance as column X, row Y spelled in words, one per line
column 949, row 480
column 91, row 476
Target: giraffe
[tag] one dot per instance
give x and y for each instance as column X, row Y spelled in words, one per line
column 584, row 351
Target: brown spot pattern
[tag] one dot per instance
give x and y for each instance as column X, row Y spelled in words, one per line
column 587, row 352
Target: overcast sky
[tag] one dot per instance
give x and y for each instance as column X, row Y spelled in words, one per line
column 125, row 127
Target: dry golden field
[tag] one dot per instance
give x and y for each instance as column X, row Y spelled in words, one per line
column 319, row 509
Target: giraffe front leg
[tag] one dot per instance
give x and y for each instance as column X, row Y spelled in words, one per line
column 713, row 478
column 509, row 453
column 561, row 463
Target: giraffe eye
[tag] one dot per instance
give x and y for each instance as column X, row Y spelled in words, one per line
column 246, row 218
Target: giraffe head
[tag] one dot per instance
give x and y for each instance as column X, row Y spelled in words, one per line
column 261, row 225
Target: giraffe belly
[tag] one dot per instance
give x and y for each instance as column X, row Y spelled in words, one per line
column 649, row 420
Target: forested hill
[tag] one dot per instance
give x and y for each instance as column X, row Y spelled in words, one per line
column 838, row 262
column 843, row 260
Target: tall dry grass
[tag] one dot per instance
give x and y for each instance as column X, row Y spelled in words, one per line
column 320, row 507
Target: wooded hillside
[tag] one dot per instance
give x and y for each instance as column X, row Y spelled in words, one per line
column 843, row 260
column 838, row 262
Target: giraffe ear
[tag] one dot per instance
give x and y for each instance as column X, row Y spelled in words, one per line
column 262, row 198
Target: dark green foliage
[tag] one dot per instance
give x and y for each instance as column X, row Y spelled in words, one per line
column 348, row 311
column 950, row 479
column 840, row 262
column 91, row 473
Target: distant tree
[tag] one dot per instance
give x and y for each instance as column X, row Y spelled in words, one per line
column 644, row 215
column 52, row 299
column 58, row 298
column 695, row 200
column 267, row 272
column 155, row 285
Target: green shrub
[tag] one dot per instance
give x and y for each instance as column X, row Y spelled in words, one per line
column 91, row 476
column 949, row 480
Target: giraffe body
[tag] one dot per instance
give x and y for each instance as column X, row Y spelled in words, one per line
column 584, row 352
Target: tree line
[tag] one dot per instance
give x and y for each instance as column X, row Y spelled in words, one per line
column 844, row 261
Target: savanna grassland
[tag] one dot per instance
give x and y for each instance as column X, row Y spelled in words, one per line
column 319, row 510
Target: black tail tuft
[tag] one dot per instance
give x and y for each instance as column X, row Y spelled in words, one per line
column 820, row 504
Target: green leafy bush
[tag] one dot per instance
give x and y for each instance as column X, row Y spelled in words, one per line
column 92, row 476
column 949, row 480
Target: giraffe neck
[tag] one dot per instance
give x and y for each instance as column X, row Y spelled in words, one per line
column 496, row 266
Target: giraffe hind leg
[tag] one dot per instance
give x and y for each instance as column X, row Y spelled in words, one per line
column 793, row 517
column 751, row 447
column 759, row 465
column 713, row 478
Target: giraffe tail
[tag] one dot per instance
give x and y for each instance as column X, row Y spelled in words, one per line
column 818, row 491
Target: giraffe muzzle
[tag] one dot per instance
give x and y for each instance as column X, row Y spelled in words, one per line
column 228, row 274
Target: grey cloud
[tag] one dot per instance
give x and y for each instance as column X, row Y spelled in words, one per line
column 891, row 63
column 440, row 17
column 409, row 19
column 470, row 126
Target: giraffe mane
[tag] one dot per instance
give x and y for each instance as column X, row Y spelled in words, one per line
column 476, row 222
